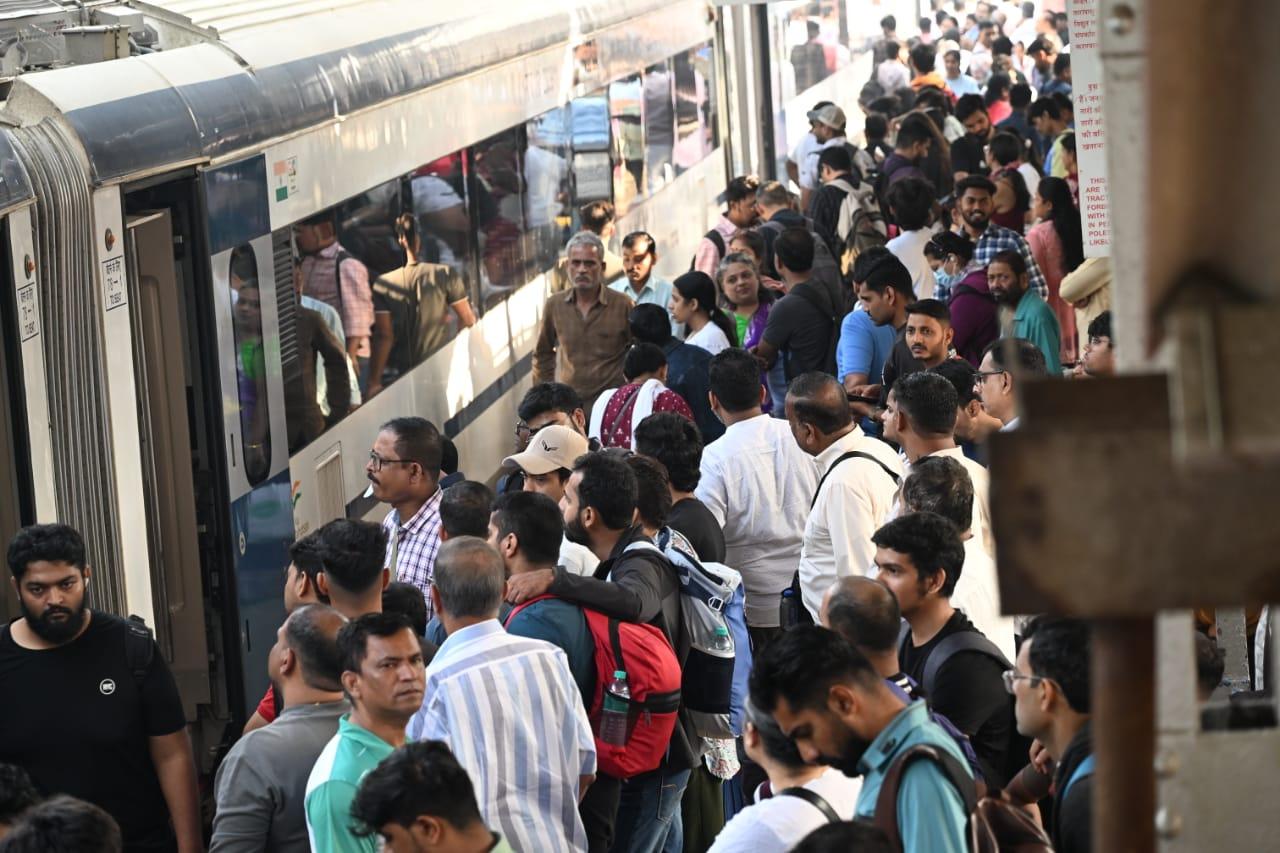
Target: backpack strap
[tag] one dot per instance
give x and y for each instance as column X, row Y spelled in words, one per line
column 851, row 455
column 511, row 614
column 814, row 799
column 963, row 641
column 139, row 648
column 717, row 240
column 1083, row 771
column 886, row 814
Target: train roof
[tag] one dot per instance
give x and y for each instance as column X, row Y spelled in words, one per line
column 246, row 72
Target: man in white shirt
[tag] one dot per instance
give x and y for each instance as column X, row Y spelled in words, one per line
column 547, row 464
column 808, row 145
column 920, row 417
column 758, row 484
column 858, row 480
column 911, row 203
column 798, row 793
column 941, row 484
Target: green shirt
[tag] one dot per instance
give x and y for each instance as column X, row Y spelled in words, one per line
column 331, row 788
column 1035, row 321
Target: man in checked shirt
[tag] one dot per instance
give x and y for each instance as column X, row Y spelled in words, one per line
column 332, row 275
column 404, row 467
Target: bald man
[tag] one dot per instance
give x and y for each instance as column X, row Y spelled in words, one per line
column 261, row 785
column 859, row 479
column 487, row 687
column 864, row 612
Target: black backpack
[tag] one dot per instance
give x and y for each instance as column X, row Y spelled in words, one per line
column 139, row 648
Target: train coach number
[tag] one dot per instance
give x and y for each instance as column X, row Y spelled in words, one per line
column 28, row 315
column 113, row 283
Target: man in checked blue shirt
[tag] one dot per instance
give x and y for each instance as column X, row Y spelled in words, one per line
column 827, row 698
column 404, row 468
column 975, row 196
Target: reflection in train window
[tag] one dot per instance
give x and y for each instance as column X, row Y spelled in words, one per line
column 546, row 173
column 251, row 366
column 815, row 39
column 625, row 97
column 659, row 126
column 500, row 190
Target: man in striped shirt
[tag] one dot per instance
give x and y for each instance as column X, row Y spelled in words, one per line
column 404, row 468
column 383, row 677
column 508, row 708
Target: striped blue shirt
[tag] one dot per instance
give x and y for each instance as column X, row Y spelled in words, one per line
column 510, row 711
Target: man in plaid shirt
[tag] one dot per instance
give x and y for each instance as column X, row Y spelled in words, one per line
column 975, row 196
column 404, row 467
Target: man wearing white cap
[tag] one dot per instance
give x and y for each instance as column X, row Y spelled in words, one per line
column 547, row 464
column 828, row 125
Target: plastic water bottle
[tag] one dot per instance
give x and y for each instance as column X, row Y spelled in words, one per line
column 617, row 708
column 722, row 642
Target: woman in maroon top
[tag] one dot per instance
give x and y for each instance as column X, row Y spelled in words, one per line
column 616, row 413
column 1012, row 201
column 974, row 321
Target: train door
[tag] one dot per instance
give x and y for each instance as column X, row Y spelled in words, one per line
column 161, row 378
column 26, row 490
column 251, row 291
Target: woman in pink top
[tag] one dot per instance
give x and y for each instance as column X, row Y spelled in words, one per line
column 1058, row 247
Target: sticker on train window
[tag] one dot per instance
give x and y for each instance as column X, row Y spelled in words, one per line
column 284, row 175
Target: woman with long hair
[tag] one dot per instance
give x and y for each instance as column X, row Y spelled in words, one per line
column 1057, row 244
column 1012, row 201
column 694, row 303
column 749, row 298
column 997, row 97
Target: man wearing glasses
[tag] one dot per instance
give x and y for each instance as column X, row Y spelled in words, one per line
column 919, row 557
column 404, row 469
column 544, row 404
column 1050, row 686
column 1006, row 363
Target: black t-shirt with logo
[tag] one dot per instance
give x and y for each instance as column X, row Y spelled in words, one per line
column 76, row 720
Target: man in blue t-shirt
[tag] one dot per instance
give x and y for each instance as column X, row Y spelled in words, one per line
column 526, row 528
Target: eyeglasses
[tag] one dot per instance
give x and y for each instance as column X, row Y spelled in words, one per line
column 1097, row 341
column 524, row 432
column 1011, row 676
column 376, row 461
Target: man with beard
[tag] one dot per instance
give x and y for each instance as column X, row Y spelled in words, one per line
column 831, row 703
column 262, row 782
column 1025, row 314
column 632, row 584
column 929, row 333
column 99, row 688
column 975, row 197
column 639, row 254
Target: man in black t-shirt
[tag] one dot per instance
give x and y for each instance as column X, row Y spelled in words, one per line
column 673, row 441
column 803, row 326
column 919, row 557
column 90, row 707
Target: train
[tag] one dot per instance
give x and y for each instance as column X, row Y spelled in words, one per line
column 158, row 160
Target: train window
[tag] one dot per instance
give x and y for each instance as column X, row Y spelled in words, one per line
column 546, row 173
column 815, row 43
column 499, row 187
column 659, row 126
column 625, row 98
column 695, row 115
column 251, row 364
column 592, row 167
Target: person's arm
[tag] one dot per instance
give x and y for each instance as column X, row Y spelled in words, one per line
column 766, row 354
column 242, row 812
column 256, row 722
column 711, row 490
column 382, row 338
column 357, row 302
column 176, row 770
column 544, row 351
column 633, row 594
column 337, row 384
column 793, row 171
column 464, row 312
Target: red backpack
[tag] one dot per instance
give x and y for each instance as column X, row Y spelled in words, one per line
column 653, row 676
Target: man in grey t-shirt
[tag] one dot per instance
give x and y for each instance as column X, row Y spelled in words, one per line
column 261, row 785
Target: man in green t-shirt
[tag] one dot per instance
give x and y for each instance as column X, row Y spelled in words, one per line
column 420, row 798
column 383, row 677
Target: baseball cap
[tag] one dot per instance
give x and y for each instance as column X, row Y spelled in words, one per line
column 552, row 447
column 830, row 115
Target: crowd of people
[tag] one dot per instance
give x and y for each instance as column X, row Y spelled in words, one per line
column 735, row 588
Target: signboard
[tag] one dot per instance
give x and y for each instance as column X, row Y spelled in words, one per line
column 1091, row 130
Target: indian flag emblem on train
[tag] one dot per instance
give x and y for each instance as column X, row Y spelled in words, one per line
column 285, row 173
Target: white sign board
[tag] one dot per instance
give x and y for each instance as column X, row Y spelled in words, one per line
column 1091, row 130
